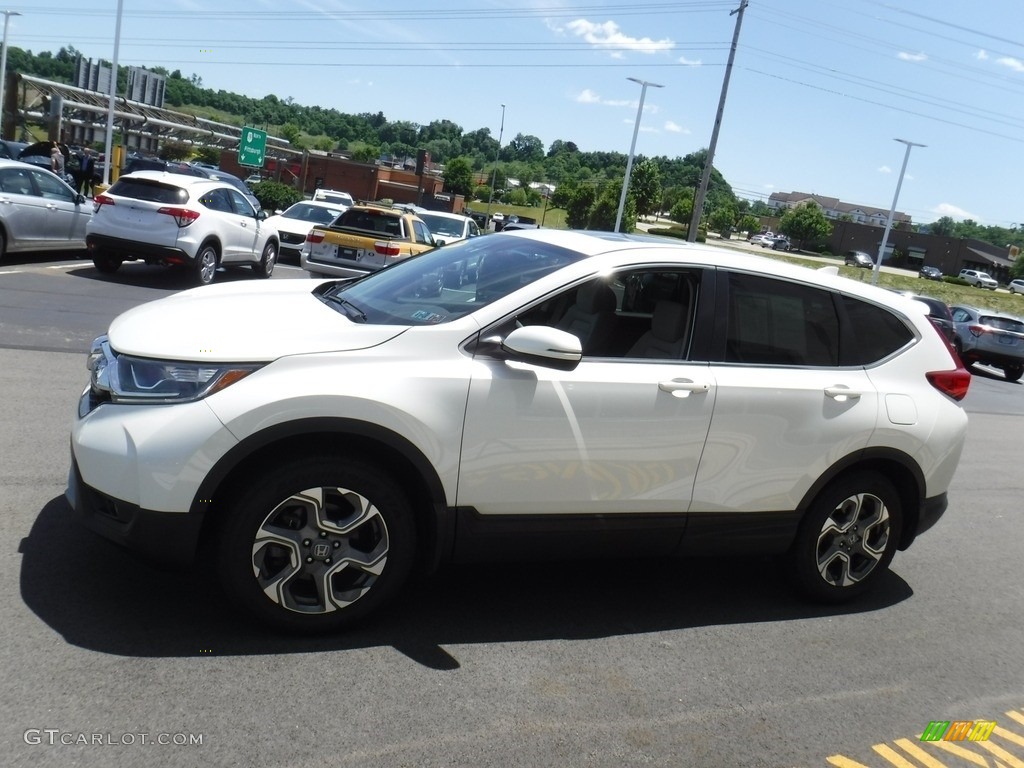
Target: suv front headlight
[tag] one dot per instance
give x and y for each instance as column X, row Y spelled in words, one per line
column 139, row 380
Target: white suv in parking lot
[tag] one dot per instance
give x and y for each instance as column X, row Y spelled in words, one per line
column 579, row 394
column 979, row 279
column 178, row 220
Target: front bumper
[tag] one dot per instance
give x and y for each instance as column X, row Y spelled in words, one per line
column 159, row 536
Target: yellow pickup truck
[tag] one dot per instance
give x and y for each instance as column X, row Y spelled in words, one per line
column 363, row 239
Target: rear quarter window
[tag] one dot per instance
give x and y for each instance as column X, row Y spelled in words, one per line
column 877, row 332
column 152, row 191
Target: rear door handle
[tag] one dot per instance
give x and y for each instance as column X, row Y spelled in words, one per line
column 841, row 393
column 683, row 387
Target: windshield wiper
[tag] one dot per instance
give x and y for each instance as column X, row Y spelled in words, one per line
column 351, row 309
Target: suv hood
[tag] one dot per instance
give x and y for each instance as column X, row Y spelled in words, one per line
column 242, row 322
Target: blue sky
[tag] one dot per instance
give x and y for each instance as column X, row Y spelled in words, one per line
column 819, row 91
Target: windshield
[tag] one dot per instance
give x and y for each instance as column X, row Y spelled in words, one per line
column 315, row 213
column 447, row 283
column 442, row 225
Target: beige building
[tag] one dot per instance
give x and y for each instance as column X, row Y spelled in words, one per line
column 834, row 208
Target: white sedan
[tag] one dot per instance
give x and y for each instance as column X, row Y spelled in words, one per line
column 295, row 223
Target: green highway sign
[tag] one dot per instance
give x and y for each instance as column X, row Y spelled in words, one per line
column 252, row 149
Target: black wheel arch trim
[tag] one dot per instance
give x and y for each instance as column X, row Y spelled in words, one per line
column 908, row 479
column 258, row 447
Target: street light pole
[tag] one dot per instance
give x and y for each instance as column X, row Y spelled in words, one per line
column 3, row 65
column 632, row 147
column 494, row 173
column 109, row 142
column 888, row 224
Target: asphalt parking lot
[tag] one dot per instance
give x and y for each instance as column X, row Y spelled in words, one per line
column 109, row 661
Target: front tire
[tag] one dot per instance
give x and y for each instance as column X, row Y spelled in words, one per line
column 316, row 544
column 265, row 266
column 206, row 264
column 847, row 538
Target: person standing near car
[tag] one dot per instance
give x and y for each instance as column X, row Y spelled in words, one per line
column 57, row 161
column 86, row 166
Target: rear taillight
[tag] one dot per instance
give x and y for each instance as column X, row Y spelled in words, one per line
column 182, row 216
column 100, row 200
column 315, row 237
column 955, row 382
column 977, row 330
column 387, row 248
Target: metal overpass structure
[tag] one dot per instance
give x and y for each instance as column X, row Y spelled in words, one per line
column 73, row 115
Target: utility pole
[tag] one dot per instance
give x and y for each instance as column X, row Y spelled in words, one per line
column 698, row 201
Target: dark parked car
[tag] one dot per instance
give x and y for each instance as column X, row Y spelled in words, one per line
column 858, row 259
column 930, row 273
column 939, row 313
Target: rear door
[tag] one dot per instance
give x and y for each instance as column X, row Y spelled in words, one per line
column 788, row 405
column 22, row 209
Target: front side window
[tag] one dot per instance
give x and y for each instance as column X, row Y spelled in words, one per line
column 776, row 322
column 643, row 313
column 422, row 234
column 51, row 188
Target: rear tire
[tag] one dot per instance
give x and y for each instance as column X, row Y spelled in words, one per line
column 206, row 264
column 316, row 543
column 847, row 538
column 1013, row 372
column 105, row 263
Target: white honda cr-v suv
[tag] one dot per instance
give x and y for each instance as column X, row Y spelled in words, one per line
column 577, row 394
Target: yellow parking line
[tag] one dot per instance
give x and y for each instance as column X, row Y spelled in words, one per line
column 893, row 756
column 844, row 762
column 1002, row 754
column 960, row 752
column 1015, row 716
column 923, row 757
column 1008, row 735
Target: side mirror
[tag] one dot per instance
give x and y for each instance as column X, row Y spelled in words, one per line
column 544, row 346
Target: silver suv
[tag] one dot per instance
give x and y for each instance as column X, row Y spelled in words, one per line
column 178, row 220
column 990, row 338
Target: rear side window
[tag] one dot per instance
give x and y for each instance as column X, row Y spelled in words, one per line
column 152, row 191
column 1002, row 323
column 775, row 322
column 877, row 331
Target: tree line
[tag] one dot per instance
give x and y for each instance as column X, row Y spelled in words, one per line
column 587, row 184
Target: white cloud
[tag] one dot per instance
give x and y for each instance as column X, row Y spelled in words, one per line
column 912, row 56
column 1008, row 61
column 671, row 127
column 687, row 63
column 607, row 35
column 885, row 169
column 587, row 96
column 768, row 186
column 981, row 55
column 954, row 212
